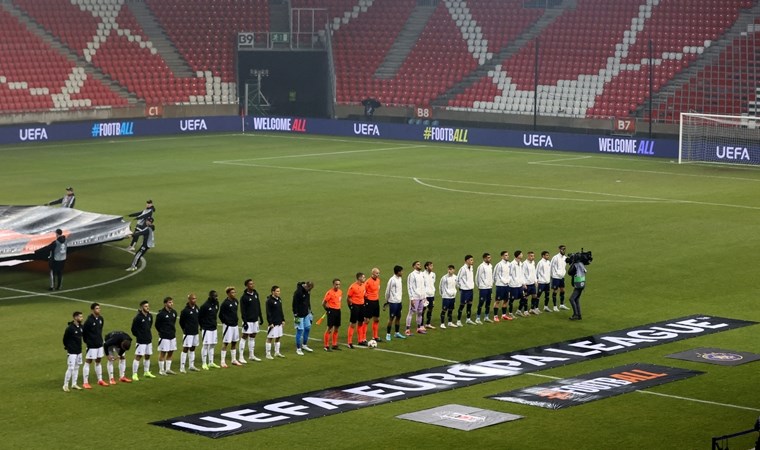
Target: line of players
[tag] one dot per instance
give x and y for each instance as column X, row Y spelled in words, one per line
column 513, row 280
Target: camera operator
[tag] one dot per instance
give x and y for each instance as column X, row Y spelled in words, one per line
column 577, row 271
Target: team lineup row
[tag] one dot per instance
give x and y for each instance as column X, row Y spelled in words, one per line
column 513, row 280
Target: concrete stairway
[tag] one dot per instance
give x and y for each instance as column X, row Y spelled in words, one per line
column 405, row 42
column 160, row 40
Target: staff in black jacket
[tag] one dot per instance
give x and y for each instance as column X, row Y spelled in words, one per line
column 92, row 333
column 228, row 315
column 148, row 233
column 166, row 326
column 141, row 217
column 72, row 342
column 115, row 346
column 207, row 320
column 302, row 315
column 67, row 201
column 141, row 325
column 250, row 313
column 56, row 251
column 275, row 318
column 188, row 321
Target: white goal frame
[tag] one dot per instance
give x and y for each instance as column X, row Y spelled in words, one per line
column 726, row 139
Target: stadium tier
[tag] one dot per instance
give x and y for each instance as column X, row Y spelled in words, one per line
column 581, row 58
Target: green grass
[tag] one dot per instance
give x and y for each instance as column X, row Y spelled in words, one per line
column 668, row 241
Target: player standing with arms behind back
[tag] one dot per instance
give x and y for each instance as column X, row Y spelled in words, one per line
column 250, row 314
column 558, row 278
column 188, row 321
column 92, row 333
column 72, row 343
column 166, row 321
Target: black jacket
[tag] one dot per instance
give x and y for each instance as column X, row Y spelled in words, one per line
column 92, row 331
column 188, row 320
column 207, row 314
column 250, row 307
column 141, row 326
column 72, row 338
column 114, row 340
column 275, row 316
column 228, row 312
column 166, row 324
column 301, row 301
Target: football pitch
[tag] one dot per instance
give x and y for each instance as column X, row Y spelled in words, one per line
column 668, row 240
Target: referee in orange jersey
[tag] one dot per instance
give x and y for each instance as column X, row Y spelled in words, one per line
column 356, row 305
column 371, row 307
column 331, row 303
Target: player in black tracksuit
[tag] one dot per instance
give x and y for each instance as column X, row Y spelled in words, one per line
column 57, row 251
column 92, row 334
column 141, row 217
column 141, row 330
column 166, row 326
column 250, row 314
column 115, row 346
column 207, row 320
column 72, row 342
column 188, row 321
column 275, row 319
column 228, row 315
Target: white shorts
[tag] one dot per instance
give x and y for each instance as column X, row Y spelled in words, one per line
column 190, row 340
column 231, row 334
column 73, row 361
column 144, row 350
column 250, row 327
column 95, row 353
column 275, row 332
column 167, row 345
column 209, row 337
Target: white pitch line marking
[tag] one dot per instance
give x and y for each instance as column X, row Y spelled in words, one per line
column 143, row 265
column 320, row 154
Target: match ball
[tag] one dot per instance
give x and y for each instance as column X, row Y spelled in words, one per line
column 372, row 343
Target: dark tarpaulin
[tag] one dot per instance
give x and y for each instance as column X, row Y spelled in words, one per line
column 26, row 229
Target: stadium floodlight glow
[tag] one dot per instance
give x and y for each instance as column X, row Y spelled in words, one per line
column 719, row 139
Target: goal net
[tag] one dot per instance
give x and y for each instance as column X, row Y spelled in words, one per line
column 719, row 139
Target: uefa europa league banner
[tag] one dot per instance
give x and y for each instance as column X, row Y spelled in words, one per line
column 295, row 408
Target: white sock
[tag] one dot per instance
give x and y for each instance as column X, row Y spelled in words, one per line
column 67, row 377
column 135, row 366
column 233, row 354
column 242, row 347
column 210, row 354
column 160, row 366
column 122, row 368
column 168, row 364
column 182, row 359
column 268, row 347
column 204, row 354
column 86, row 373
column 75, row 375
column 251, row 347
column 99, row 371
column 277, row 347
column 224, row 356
column 192, row 358
column 109, row 367
column 146, row 365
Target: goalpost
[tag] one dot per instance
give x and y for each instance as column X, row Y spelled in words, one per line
column 720, row 139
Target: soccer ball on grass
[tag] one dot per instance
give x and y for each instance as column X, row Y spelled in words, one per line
column 372, row 343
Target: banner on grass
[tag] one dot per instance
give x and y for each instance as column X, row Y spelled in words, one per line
column 716, row 356
column 595, row 386
column 295, row 408
column 26, row 229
